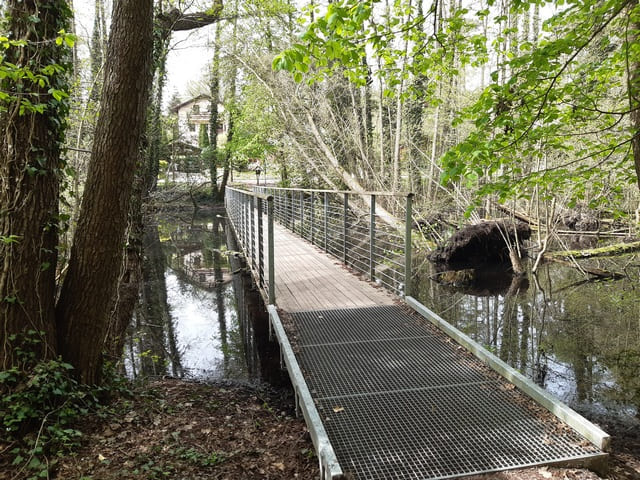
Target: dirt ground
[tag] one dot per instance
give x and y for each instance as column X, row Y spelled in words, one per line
column 186, row 430
column 173, row 429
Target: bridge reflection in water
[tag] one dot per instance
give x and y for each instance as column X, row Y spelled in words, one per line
column 388, row 389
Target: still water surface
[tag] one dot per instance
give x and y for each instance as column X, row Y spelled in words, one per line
column 199, row 316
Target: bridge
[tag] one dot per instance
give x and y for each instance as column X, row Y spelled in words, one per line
column 388, row 389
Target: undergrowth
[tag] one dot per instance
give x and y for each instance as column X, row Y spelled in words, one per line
column 39, row 403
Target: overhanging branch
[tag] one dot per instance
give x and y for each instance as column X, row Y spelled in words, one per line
column 175, row 20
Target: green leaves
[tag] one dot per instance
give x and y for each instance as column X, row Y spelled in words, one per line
column 555, row 115
column 68, row 39
column 10, row 239
column 23, row 86
column 557, row 124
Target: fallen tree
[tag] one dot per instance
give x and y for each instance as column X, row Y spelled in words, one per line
column 608, row 251
column 482, row 243
column 597, row 272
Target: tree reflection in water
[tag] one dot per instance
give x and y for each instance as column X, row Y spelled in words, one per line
column 195, row 318
column 578, row 339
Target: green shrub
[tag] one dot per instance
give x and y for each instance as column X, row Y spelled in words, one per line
column 39, row 402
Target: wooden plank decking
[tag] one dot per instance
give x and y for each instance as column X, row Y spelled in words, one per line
column 309, row 279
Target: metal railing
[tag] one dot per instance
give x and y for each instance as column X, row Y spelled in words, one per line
column 352, row 227
column 247, row 212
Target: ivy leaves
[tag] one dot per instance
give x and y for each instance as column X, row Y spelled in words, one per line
column 21, row 84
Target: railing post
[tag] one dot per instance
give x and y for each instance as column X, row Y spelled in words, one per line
column 372, row 238
column 344, row 228
column 407, row 246
column 326, row 219
column 302, row 214
column 252, row 230
column 285, row 210
column 311, row 216
column 243, row 220
column 292, row 217
column 272, row 275
column 260, row 244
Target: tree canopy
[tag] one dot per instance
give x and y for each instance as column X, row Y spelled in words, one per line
column 559, row 111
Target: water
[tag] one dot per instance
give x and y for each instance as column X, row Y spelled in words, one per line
column 199, row 316
column 578, row 339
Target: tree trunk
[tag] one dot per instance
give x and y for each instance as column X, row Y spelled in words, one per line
column 346, row 177
column 227, row 159
column 97, row 50
column 214, row 91
column 87, row 295
column 365, row 92
column 634, row 95
column 231, row 105
column 30, row 165
column 127, row 295
column 155, row 126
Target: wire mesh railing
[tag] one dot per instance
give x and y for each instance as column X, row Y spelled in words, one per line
column 250, row 215
column 353, row 227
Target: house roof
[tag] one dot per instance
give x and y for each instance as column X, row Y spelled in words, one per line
column 190, row 101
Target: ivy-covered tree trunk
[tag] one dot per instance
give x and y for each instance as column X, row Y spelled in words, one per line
column 155, row 127
column 32, row 133
column 87, row 296
column 127, row 295
column 231, row 104
column 214, row 90
column 227, row 161
column 634, row 87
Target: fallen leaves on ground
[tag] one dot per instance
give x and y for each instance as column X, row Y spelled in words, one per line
column 185, row 430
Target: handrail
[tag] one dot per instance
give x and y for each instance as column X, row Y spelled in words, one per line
column 249, row 192
column 350, row 192
column 356, row 230
column 245, row 211
column 246, row 214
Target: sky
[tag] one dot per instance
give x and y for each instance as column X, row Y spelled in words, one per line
column 187, row 60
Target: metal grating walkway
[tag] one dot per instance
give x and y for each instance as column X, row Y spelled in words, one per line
column 400, row 400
